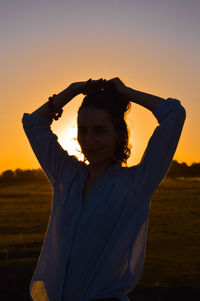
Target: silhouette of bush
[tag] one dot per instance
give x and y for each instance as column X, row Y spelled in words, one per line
column 183, row 170
column 20, row 175
column 8, row 175
column 37, row 175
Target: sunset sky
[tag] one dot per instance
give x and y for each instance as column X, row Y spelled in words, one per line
column 152, row 45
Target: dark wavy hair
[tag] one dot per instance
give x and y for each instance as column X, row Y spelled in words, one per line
column 109, row 100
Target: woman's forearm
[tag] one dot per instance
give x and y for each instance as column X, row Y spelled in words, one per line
column 61, row 100
column 146, row 100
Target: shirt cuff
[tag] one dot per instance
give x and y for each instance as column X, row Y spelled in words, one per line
column 162, row 109
column 30, row 120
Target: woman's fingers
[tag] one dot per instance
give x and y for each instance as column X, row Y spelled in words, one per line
column 92, row 85
column 100, row 80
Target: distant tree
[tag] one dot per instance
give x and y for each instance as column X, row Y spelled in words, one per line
column 25, row 176
column 19, row 173
column 30, row 175
column 183, row 170
column 174, row 169
column 195, row 169
column 8, row 175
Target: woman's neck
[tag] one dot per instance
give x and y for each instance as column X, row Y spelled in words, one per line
column 96, row 170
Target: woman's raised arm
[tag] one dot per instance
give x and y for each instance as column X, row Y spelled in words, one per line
column 60, row 101
column 70, row 92
column 162, row 145
column 146, row 100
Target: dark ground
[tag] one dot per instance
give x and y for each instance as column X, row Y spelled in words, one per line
column 172, row 262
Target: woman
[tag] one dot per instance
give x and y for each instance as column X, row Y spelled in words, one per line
column 95, row 243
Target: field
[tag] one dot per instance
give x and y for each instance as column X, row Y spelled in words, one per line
column 172, row 262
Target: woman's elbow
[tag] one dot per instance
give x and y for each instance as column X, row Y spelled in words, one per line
column 182, row 113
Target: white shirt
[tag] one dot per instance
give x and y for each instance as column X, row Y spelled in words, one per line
column 96, row 249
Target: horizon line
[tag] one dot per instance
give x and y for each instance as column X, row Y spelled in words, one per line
column 81, row 161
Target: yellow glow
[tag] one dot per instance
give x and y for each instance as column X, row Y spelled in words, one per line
column 68, row 140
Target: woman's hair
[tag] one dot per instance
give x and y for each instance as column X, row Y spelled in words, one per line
column 111, row 101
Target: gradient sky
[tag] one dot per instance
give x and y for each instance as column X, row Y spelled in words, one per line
column 152, row 45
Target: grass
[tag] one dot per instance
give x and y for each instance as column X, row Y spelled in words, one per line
column 171, row 265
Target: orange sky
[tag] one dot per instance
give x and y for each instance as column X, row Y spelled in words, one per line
column 154, row 49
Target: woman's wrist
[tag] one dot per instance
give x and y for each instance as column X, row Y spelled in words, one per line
column 59, row 101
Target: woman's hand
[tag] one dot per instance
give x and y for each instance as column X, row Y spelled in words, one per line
column 87, row 86
column 119, row 85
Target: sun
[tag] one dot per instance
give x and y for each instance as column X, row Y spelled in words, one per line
column 68, row 140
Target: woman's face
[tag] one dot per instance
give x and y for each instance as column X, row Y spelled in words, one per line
column 96, row 135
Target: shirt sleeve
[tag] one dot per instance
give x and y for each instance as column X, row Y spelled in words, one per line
column 162, row 145
column 50, row 154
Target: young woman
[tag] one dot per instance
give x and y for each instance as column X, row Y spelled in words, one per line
column 95, row 242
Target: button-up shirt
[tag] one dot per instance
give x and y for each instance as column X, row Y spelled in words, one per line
column 96, row 248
